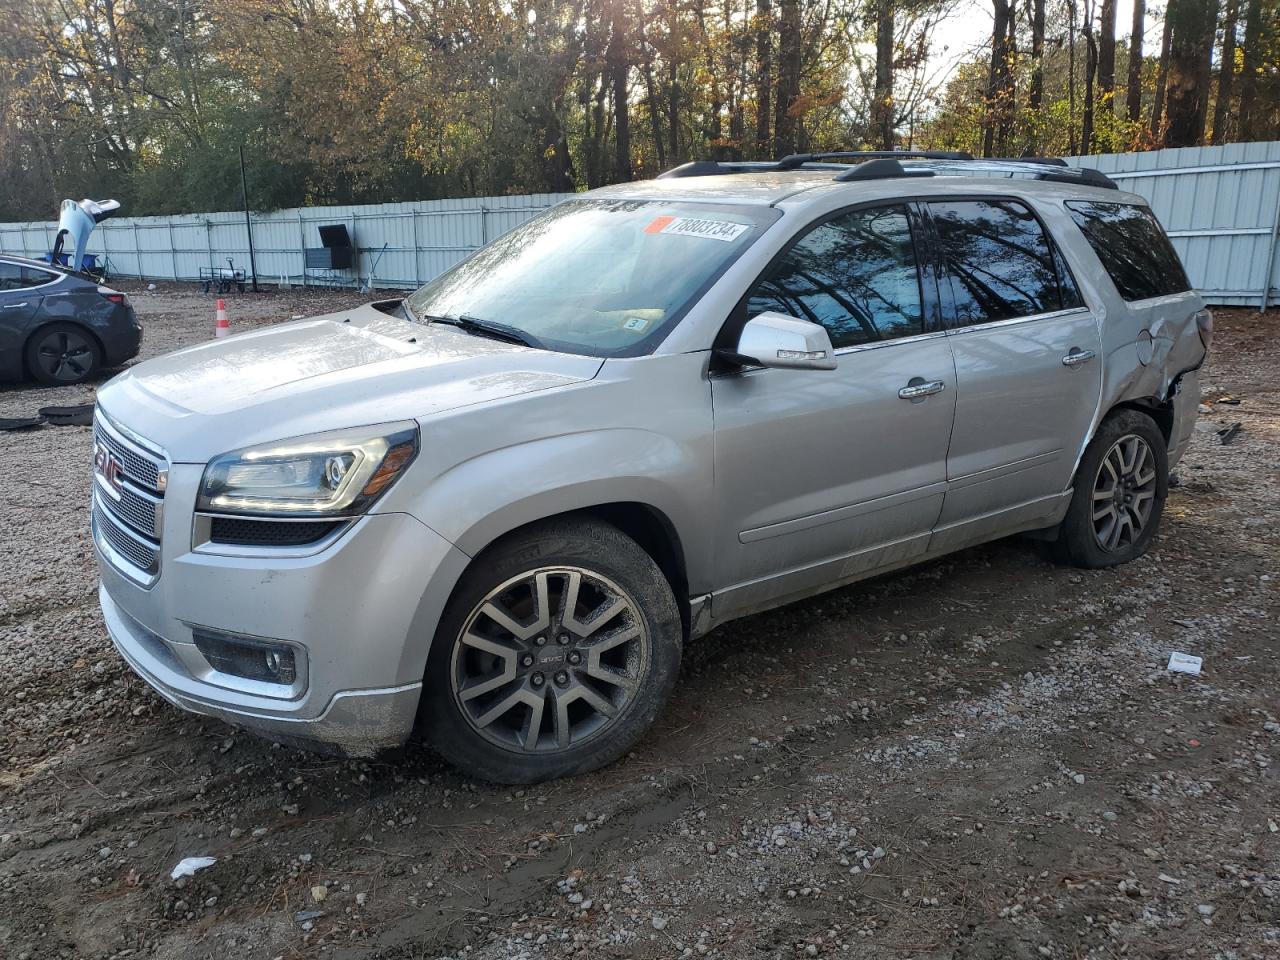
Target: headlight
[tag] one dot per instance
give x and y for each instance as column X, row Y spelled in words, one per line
column 336, row 474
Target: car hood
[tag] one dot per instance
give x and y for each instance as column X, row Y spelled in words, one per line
column 348, row 369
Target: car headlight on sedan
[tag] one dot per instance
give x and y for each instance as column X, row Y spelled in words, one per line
column 336, row 474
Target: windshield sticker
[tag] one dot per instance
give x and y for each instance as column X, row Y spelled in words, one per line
column 723, row 230
column 637, row 324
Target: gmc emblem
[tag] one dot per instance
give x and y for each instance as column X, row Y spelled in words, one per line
column 106, row 466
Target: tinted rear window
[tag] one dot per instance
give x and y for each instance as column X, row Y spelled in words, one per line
column 1132, row 247
column 1000, row 265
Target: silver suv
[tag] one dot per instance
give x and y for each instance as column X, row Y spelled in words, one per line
column 498, row 509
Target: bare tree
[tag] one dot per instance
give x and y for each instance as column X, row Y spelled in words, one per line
column 1190, row 50
column 1107, row 54
column 785, row 122
column 1226, row 72
column 999, row 79
column 1162, row 82
column 1133, row 88
column 882, row 107
column 764, row 76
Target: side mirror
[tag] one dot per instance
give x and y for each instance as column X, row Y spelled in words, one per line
column 776, row 340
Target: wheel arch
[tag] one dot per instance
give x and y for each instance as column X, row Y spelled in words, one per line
column 643, row 522
column 1161, row 411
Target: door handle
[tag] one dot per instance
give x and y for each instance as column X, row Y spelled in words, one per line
column 919, row 388
column 1077, row 357
column 15, row 306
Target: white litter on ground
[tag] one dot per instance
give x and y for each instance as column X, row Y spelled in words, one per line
column 188, row 866
column 1184, row 663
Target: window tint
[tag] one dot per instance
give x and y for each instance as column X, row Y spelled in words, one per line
column 1132, row 247
column 855, row 274
column 998, row 261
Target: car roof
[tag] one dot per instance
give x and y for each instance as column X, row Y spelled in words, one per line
column 758, row 189
column 28, row 262
column 798, row 187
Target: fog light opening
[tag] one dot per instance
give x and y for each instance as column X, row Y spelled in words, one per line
column 247, row 657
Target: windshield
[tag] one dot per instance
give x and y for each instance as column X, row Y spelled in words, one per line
column 607, row 278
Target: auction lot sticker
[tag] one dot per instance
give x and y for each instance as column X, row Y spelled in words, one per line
column 723, row 230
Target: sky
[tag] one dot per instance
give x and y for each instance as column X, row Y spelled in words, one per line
column 970, row 30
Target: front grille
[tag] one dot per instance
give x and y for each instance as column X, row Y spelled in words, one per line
column 137, row 551
column 128, row 503
column 269, row 533
column 137, row 466
column 139, row 510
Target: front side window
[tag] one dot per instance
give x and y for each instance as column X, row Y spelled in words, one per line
column 1132, row 247
column 855, row 274
column 606, row 278
column 999, row 264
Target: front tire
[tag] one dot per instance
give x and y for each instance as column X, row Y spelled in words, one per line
column 557, row 651
column 1120, row 490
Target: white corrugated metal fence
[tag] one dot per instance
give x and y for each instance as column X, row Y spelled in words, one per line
column 422, row 239
column 1221, row 206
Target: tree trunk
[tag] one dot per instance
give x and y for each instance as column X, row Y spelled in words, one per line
column 1036, row 92
column 673, row 111
column 618, row 69
column 1250, row 108
column 1190, row 50
column 1071, row 76
column 1090, row 73
column 998, row 77
column 1107, row 55
column 764, row 78
column 1133, row 88
column 882, row 106
column 651, row 101
column 1226, row 74
column 784, row 118
column 1162, row 83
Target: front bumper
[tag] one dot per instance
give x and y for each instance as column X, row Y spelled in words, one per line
column 356, row 722
column 360, row 613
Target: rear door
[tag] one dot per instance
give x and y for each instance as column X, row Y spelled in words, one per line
column 1028, row 367
column 823, row 474
column 19, row 302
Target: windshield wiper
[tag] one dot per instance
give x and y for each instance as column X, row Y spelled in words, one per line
column 486, row 328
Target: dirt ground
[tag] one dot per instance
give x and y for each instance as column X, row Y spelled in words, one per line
column 984, row 757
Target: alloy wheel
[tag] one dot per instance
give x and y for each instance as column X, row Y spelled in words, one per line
column 549, row 659
column 1124, row 493
column 65, row 355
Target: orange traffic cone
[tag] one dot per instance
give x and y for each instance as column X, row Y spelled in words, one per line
column 222, row 328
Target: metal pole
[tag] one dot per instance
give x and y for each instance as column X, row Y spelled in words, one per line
column 248, row 227
column 1271, row 255
column 302, row 248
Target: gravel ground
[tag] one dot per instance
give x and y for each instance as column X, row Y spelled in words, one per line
column 980, row 758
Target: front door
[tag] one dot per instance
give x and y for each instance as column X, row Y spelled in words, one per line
column 823, row 475
column 1029, row 366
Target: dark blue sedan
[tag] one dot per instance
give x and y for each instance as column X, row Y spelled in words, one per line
column 61, row 327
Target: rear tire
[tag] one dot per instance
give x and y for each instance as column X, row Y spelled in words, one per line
column 62, row 354
column 558, row 649
column 1120, row 490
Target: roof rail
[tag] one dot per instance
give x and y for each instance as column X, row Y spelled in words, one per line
column 799, row 159
column 880, row 168
column 886, row 164
column 1028, row 158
